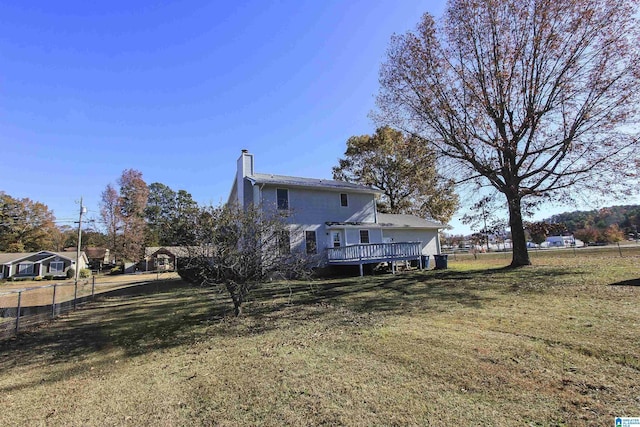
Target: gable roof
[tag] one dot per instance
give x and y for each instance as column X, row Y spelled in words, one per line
column 177, row 251
column 7, row 258
column 407, row 221
column 96, row 252
column 294, row 181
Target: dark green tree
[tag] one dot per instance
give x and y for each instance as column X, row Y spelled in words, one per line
column 170, row 216
column 185, row 216
column 159, row 213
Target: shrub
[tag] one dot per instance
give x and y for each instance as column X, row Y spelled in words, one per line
column 116, row 270
column 48, row 277
column 71, row 272
column 37, row 278
column 85, row 272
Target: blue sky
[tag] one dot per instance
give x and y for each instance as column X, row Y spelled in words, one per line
column 177, row 89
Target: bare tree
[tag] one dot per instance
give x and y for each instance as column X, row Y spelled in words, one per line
column 238, row 249
column 535, row 98
column 109, row 212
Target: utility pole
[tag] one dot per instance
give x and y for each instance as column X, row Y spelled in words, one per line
column 83, row 210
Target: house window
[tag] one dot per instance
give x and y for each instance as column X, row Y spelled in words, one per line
column 56, row 267
column 344, row 199
column 364, row 236
column 282, row 194
column 310, row 241
column 337, row 240
column 25, row 269
column 284, row 242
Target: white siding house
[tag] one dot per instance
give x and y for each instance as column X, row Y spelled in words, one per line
column 335, row 219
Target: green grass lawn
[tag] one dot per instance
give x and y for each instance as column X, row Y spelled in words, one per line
column 557, row 343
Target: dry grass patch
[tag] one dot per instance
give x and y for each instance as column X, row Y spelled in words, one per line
column 552, row 344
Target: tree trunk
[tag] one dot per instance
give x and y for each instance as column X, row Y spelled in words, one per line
column 237, row 308
column 518, row 238
column 236, row 296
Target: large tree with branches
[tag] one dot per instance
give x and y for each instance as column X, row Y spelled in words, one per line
column 537, row 98
column 403, row 168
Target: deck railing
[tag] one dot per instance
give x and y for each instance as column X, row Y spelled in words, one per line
column 374, row 252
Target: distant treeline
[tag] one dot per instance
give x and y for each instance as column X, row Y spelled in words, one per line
column 627, row 218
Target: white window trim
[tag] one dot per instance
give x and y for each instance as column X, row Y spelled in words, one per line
column 315, row 241
column 29, row 266
column 368, row 236
column 347, row 199
column 334, row 241
column 284, row 242
column 61, row 270
column 278, row 200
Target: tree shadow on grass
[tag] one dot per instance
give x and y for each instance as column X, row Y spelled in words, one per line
column 630, row 282
column 140, row 320
column 137, row 321
column 390, row 294
column 131, row 321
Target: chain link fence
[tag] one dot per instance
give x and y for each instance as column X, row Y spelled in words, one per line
column 22, row 308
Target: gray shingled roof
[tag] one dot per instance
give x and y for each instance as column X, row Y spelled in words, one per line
column 408, row 221
column 14, row 256
column 177, row 251
column 293, row 181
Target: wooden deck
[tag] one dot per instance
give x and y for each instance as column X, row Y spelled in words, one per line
column 374, row 253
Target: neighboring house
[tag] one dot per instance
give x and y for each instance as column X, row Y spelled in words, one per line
column 38, row 264
column 562, row 242
column 334, row 219
column 98, row 257
column 163, row 258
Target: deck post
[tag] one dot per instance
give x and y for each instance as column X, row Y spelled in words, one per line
column 361, row 270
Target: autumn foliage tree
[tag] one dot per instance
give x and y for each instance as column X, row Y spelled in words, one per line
column 535, row 98
column 123, row 213
column 133, row 200
column 403, row 168
column 610, row 234
column 25, row 225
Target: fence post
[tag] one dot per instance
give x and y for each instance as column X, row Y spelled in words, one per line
column 75, row 294
column 53, row 303
column 18, row 313
column 93, row 287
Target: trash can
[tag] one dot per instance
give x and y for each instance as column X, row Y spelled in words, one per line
column 425, row 262
column 441, row 261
